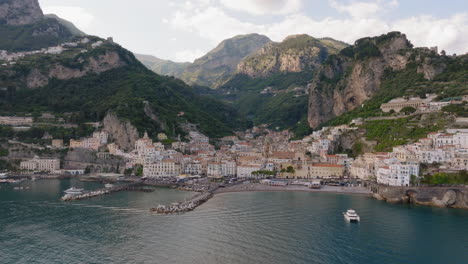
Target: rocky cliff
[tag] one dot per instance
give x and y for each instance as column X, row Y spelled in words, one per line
column 347, row 80
column 296, row 53
column 34, row 71
column 94, row 64
column 121, row 132
column 23, row 27
column 452, row 197
column 20, row 12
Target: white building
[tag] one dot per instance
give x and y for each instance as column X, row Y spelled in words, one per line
column 397, row 173
column 245, row 171
column 41, row 164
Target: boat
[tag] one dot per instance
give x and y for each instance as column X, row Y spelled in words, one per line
column 74, row 191
column 351, row 216
column 3, row 175
column 109, row 185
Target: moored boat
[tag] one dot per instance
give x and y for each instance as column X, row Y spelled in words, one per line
column 351, row 216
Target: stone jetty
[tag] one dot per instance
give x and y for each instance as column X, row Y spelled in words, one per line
column 105, row 191
column 185, row 206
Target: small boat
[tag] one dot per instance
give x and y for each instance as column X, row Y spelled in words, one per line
column 351, row 216
column 108, row 185
column 74, row 191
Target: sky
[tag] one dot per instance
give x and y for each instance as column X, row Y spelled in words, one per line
column 183, row 30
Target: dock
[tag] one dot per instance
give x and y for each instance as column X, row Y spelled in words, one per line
column 186, row 206
column 105, row 191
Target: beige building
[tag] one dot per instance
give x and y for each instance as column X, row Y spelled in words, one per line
column 166, row 168
column 41, row 164
column 399, row 103
column 319, row 171
column 87, row 143
column 57, row 143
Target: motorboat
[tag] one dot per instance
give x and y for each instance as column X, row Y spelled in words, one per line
column 109, row 185
column 74, row 191
column 351, row 216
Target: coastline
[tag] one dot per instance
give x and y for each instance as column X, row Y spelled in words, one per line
column 256, row 187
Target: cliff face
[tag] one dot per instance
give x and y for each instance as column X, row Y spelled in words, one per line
column 20, row 12
column 295, row 54
column 451, row 197
column 347, row 80
column 97, row 64
column 122, row 132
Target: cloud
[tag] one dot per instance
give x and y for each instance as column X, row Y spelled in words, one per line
column 77, row 15
column 263, row 7
column 450, row 33
column 358, row 9
column 211, row 23
column 189, row 55
column 214, row 24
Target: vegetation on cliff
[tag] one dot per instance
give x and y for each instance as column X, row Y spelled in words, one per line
column 46, row 33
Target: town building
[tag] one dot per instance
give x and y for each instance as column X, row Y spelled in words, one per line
column 41, row 164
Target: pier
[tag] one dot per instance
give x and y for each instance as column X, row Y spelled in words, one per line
column 186, row 206
column 104, row 191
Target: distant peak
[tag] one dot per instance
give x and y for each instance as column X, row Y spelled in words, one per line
column 20, row 12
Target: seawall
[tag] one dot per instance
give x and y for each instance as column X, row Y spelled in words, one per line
column 445, row 197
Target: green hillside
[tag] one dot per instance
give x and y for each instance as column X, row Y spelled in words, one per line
column 46, row 33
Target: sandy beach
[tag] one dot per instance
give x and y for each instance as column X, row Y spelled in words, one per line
column 256, row 187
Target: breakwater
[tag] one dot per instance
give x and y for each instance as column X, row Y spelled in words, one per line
column 86, row 195
column 186, row 206
column 445, row 197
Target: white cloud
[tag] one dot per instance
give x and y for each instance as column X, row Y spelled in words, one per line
column 212, row 23
column 77, row 15
column 215, row 25
column 358, row 9
column 450, row 33
column 263, row 7
column 189, row 55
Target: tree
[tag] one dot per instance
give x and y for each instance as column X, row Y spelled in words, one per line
column 128, row 172
column 290, row 169
column 138, row 170
column 408, row 110
column 413, row 179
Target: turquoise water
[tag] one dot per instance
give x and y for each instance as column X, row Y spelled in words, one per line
column 274, row 227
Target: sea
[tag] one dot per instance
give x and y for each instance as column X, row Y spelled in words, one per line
column 250, row 227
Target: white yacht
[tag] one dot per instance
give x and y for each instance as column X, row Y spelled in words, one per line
column 74, row 191
column 351, row 216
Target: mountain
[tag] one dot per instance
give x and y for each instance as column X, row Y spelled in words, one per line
column 270, row 86
column 296, row 53
column 163, row 67
column 88, row 78
column 23, row 27
column 357, row 80
column 20, row 12
column 69, row 25
column 214, row 68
